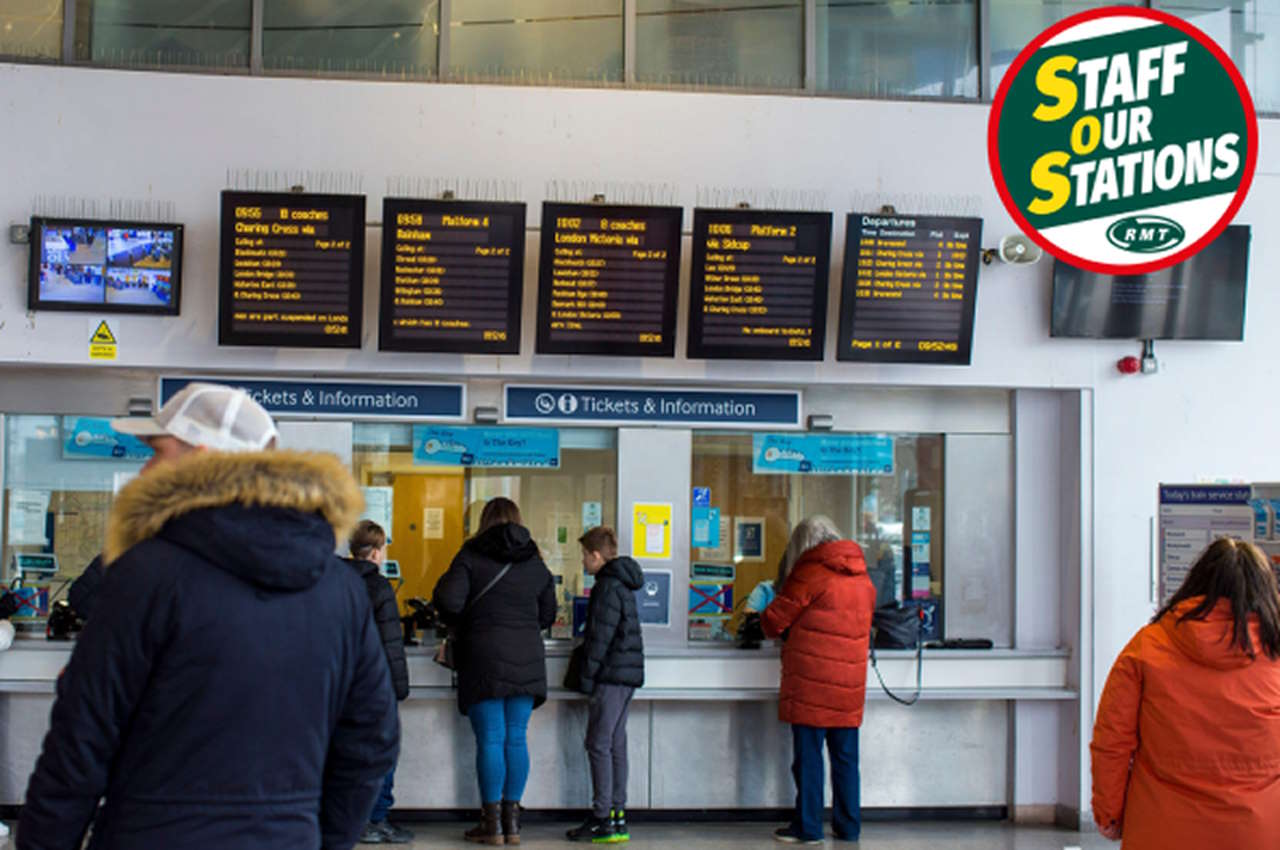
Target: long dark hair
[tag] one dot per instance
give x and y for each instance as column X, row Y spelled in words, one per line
column 1238, row 572
column 498, row 511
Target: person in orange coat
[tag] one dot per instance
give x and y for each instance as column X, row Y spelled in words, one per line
column 1186, row 746
column 823, row 610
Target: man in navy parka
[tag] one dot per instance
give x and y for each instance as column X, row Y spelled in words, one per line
column 230, row 691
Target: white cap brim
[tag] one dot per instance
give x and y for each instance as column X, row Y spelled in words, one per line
column 138, row 426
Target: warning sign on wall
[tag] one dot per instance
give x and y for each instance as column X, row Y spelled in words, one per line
column 102, row 345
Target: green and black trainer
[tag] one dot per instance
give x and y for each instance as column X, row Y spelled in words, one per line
column 618, row 819
column 593, row 829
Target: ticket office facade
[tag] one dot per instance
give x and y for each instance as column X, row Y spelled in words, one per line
column 954, row 453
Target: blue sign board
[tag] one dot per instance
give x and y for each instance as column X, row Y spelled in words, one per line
column 436, row 445
column 654, row 406
column 653, row 599
column 823, row 454
column 705, row 528
column 92, row 437
column 341, row 399
column 702, row 497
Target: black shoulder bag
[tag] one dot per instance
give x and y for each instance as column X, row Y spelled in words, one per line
column 445, row 652
column 898, row 627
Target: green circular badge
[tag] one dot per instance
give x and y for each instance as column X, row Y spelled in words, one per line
column 1123, row 140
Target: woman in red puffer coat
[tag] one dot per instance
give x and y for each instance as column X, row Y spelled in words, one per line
column 824, row 610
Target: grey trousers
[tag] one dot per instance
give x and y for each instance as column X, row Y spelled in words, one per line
column 607, row 747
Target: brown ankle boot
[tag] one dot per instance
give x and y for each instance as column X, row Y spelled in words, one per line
column 511, row 821
column 489, row 830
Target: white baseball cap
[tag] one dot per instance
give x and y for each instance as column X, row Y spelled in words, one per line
column 218, row 417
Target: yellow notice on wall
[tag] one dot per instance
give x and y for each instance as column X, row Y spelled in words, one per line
column 102, row 345
column 651, row 530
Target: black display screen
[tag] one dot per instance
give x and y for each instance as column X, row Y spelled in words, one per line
column 910, row 288
column 607, row 280
column 452, row 276
column 292, row 270
column 1199, row 298
column 88, row 265
column 758, row 288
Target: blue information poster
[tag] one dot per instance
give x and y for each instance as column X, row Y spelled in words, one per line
column 823, row 454
column 86, row 437
column 442, row 445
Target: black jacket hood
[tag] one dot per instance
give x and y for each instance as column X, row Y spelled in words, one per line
column 507, row 543
column 270, row 518
column 625, row 570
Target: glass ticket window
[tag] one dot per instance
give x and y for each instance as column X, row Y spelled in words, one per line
column 428, row 496
column 750, row 490
column 61, row 474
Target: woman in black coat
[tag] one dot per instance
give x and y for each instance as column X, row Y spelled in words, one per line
column 498, row 597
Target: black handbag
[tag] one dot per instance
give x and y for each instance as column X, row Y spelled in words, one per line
column 898, row 627
column 573, row 674
column 446, row 652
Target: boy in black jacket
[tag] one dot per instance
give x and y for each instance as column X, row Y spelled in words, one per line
column 612, row 669
column 368, row 552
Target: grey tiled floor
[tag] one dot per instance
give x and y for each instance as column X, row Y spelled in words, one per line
column 875, row 836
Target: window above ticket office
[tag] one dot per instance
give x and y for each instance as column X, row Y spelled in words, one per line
column 757, row 502
column 751, row 44
column 1014, row 23
column 213, row 34
column 387, row 38
column 31, row 29
column 540, row 42
column 1248, row 31
column 887, row 48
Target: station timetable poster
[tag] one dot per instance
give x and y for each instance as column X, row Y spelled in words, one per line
column 759, row 284
column 607, row 280
column 910, row 286
column 292, row 270
column 452, row 276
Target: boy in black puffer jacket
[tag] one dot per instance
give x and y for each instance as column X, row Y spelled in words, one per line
column 368, row 553
column 612, row 669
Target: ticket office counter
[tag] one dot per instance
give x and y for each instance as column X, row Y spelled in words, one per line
column 704, row 733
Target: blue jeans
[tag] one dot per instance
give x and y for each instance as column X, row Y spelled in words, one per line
column 502, row 751
column 382, row 805
column 846, row 783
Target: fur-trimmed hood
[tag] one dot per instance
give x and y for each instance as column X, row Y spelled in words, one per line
column 269, row 517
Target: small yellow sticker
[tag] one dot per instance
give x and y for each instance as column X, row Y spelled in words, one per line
column 102, row 345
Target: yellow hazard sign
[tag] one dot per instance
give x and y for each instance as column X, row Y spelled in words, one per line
column 102, row 345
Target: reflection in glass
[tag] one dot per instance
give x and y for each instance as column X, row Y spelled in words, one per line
column 880, row 512
column 536, row 41
column 132, row 33
column 31, row 29
column 744, row 43
column 435, row 508
column 60, row 478
column 885, row 48
column 1248, row 31
column 388, row 38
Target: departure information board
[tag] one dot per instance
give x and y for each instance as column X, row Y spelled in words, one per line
column 758, row 287
column 910, row 286
column 607, row 280
column 452, row 276
column 292, row 270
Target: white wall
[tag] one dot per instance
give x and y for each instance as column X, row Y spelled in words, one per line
column 172, row 139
